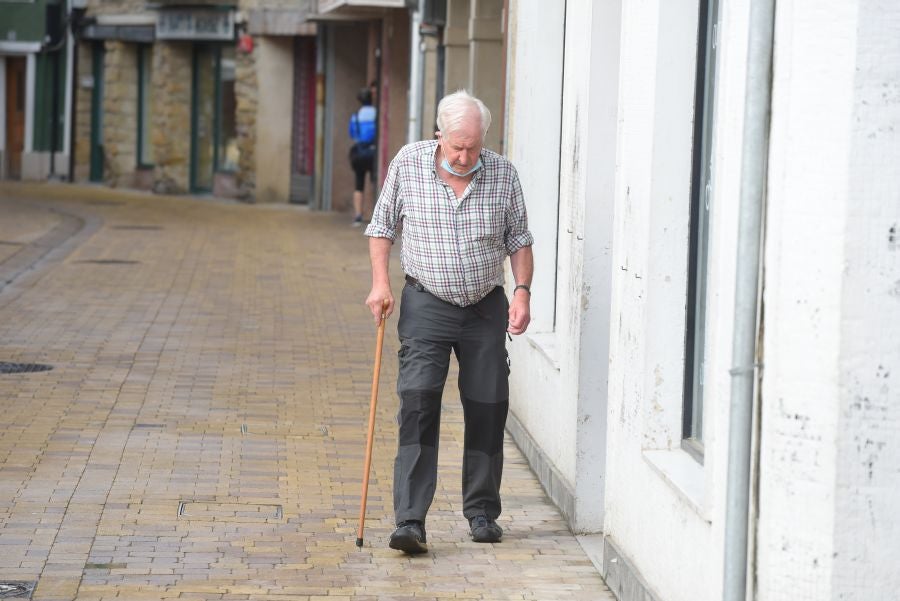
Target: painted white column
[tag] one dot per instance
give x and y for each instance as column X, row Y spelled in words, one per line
column 599, row 160
column 831, row 418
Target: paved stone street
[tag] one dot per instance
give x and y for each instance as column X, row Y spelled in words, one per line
column 202, row 431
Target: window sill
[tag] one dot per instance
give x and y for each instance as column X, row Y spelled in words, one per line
column 683, row 474
column 545, row 344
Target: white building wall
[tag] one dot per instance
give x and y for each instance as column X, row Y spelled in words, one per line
column 830, row 428
column 573, row 171
column 867, row 566
column 563, row 106
column 647, row 515
column 535, row 68
column 829, row 525
column 665, row 509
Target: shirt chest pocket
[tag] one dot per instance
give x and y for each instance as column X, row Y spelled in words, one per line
column 484, row 223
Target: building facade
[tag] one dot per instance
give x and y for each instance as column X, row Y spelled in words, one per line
column 246, row 100
column 35, row 64
column 192, row 98
column 363, row 43
column 624, row 393
column 632, row 126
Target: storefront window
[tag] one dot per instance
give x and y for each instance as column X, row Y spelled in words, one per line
column 228, row 148
column 214, row 116
column 701, row 186
column 145, row 105
column 205, row 63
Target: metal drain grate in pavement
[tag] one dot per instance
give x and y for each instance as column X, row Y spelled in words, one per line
column 16, row 589
column 110, row 262
column 137, row 227
column 229, row 512
column 22, row 368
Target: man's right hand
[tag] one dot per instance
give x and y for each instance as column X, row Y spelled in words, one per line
column 375, row 302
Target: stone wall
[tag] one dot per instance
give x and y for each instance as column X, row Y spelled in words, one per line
column 83, row 98
column 246, row 92
column 120, row 113
column 172, row 116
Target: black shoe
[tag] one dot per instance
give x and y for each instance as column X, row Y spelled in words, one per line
column 485, row 530
column 409, row 537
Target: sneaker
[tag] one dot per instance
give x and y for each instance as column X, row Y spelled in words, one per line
column 485, row 530
column 357, row 221
column 409, row 537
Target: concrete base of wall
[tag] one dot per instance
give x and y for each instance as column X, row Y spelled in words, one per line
column 554, row 484
column 619, row 574
column 36, row 165
column 225, row 185
column 143, row 179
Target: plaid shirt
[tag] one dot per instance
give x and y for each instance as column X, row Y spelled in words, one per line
column 454, row 247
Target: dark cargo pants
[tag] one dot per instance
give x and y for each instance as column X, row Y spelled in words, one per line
column 429, row 329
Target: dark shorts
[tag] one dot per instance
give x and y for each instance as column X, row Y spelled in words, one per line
column 362, row 160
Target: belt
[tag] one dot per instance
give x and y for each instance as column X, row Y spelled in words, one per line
column 415, row 283
column 418, row 286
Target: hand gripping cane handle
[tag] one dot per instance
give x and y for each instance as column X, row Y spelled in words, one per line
column 372, row 403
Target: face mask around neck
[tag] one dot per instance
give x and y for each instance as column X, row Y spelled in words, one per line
column 447, row 167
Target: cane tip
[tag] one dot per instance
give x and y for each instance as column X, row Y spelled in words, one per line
column 359, row 542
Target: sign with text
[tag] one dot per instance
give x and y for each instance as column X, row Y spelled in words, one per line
column 195, row 24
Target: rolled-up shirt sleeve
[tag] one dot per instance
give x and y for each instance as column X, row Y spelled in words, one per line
column 386, row 215
column 516, row 235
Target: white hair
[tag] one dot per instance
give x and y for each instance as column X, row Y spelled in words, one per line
column 454, row 108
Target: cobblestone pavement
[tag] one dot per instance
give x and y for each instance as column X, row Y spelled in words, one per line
column 202, row 431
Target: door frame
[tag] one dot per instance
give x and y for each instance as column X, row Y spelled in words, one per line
column 11, row 49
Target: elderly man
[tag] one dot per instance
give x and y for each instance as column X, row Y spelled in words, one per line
column 463, row 213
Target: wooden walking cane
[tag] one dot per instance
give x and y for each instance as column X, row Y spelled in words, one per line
column 372, row 403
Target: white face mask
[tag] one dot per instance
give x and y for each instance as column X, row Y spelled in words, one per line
column 447, row 167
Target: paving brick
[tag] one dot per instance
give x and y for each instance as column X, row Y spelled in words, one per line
column 226, row 368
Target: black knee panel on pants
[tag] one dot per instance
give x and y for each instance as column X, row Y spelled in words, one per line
column 419, row 418
column 485, row 423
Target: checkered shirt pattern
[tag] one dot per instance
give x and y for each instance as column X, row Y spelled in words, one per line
column 454, row 247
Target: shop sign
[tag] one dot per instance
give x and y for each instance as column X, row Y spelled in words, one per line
column 187, row 24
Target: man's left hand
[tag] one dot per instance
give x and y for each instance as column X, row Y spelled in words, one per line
column 519, row 312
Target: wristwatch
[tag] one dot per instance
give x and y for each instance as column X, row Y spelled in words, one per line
column 523, row 287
